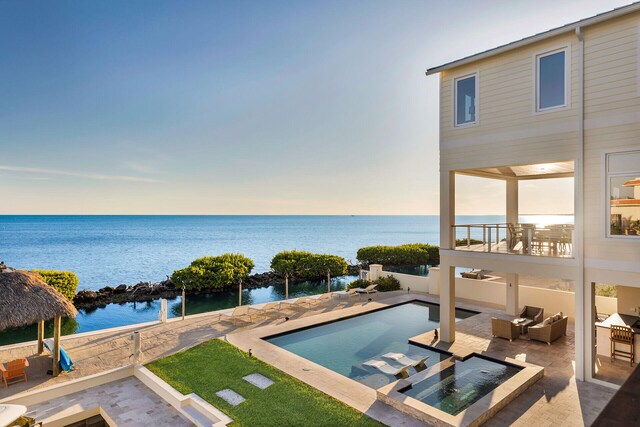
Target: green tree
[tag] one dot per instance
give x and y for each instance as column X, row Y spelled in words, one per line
column 402, row 255
column 213, row 272
column 307, row 265
column 65, row 282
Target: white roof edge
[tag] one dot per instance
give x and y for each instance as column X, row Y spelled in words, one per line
column 623, row 10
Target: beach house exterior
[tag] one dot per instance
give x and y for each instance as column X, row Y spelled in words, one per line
column 563, row 103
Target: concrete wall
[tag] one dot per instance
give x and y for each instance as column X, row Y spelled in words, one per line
column 495, row 292
column 416, row 283
column 606, row 305
column 628, row 300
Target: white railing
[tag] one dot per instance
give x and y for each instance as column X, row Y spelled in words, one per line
column 524, row 239
column 364, row 275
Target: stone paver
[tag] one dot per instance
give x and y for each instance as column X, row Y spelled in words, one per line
column 258, row 380
column 99, row 352
column 230, row 396
column 128, row 402
column 557, row 399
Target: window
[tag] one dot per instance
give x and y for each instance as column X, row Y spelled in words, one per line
column 466, row 93
column 623, row 181
column 551, row 80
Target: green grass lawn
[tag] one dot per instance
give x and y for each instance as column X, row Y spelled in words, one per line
column 216, row 365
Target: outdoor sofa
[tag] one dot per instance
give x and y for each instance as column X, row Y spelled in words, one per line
column 550, row 329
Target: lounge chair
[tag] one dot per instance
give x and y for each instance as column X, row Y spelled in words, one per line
column 297, row 303
column 348, row 293
column 473, row 274
column 405, row 360
column 387, row 369
column 15, row 372
column 271, row 306
column 240, row 312
column 371, row 289
column 328, row 297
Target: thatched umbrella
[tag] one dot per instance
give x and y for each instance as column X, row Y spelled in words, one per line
column 25, row 299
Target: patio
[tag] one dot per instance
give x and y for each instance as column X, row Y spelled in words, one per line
column 556, row 399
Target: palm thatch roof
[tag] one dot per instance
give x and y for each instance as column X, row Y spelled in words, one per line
column 25, row 299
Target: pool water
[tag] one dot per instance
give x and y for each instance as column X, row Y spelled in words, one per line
column 460, row 385
column 343, row 346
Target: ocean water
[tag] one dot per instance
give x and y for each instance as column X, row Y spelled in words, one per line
column 110, row 250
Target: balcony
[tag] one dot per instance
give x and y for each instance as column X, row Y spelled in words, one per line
column 553, row 240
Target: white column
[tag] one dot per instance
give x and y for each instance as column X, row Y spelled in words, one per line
column 447, row 302
column 434, row 280
column 162, row 314
column 512, row 200
column 447, row 209
column 375, row 271
column 513, row 297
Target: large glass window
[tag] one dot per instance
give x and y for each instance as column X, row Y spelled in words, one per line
column 465, row 95
column 551, row 80
column 623, row 180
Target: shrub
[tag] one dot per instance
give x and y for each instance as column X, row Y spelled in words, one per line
column 213, row 272
column 307, row 265
column 463, row 242
column 385, row 284
column 403, row 255
column 606, row 291
column 359, row 283
column 65, row 282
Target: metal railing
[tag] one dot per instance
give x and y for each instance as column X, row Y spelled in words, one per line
column 525, row 239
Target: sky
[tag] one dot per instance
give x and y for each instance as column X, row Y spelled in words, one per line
column 243, row 107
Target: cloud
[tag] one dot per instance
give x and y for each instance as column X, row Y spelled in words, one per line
column 83, row 175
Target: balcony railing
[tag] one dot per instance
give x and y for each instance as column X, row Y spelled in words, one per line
column 522, row 239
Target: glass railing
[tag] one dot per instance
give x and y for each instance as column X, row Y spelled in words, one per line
column 555, row 240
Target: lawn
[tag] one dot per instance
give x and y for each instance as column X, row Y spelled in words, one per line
column 216, row 365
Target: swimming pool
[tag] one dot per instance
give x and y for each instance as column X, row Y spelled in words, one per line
column 460, row 385
column 344, row 345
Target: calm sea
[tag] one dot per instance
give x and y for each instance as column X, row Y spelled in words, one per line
column 110, row 250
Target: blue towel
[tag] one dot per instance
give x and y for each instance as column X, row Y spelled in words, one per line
column 65, row 361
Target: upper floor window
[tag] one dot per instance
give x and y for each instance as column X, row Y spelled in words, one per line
column 623, row 182
column 466, row 94
column 551, row 80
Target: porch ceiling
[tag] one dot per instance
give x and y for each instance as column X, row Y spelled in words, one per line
column 521, row 172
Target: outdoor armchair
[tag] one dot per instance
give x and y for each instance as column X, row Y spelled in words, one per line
column 532, row 313
column 504, row 329
column 14, row 372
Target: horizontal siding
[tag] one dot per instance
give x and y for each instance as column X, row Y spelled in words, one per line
column 506, row 96
column 511, row 133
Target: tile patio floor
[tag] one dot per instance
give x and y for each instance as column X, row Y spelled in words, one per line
column 128, row 402
column 557, row 399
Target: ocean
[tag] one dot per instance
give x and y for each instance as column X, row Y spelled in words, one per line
column 111, row 250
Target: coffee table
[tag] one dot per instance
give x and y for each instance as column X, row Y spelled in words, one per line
column 524, row 324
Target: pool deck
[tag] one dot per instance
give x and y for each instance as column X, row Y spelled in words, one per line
column 557, row 399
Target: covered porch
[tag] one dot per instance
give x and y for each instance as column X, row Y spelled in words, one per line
column 546, row 234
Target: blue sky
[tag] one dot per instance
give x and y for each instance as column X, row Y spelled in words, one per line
column 238, row 107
